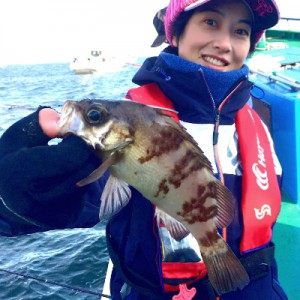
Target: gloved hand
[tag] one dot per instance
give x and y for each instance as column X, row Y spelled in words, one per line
column 38, row 181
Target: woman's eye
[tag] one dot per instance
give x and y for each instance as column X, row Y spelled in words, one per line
column 96, row 115
column 210, row 22
column 243, row 32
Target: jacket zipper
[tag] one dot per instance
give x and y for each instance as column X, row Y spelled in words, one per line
column 217, row 111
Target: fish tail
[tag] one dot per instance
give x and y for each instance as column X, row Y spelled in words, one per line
column 225, row 271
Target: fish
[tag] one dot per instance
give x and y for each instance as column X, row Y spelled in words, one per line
column 144, row 148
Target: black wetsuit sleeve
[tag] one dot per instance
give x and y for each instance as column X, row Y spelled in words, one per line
column 38, row 182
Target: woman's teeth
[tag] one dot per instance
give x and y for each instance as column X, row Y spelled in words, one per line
column 214, row 61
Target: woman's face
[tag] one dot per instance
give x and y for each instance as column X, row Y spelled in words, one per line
column 217, row 37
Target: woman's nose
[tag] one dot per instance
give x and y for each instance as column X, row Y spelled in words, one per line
column 222, row 41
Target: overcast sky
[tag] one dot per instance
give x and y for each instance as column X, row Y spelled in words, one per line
column 37, row 31
column 57, row 30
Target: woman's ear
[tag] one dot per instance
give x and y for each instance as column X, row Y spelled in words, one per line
column 174, row 41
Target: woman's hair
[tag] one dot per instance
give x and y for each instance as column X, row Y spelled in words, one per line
column 180, row 23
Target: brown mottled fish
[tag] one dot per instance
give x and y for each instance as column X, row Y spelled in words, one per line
column 146, row 149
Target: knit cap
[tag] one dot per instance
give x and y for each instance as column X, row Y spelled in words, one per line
column 265, row 14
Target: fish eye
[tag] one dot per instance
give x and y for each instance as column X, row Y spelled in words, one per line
column 96, row 114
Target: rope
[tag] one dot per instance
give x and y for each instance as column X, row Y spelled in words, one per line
column 16, row 107
column 74, row 288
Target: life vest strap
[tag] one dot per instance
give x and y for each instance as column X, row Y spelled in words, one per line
column 261, row 197
column 258, row 263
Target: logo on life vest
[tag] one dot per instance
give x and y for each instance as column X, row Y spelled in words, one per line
column 263, row 211
column 259, row 170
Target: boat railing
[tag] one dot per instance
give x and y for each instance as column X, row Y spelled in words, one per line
column 289, row 26
column 290, row 19
column 276, row 76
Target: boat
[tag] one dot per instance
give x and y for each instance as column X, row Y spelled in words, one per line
column 95, row 63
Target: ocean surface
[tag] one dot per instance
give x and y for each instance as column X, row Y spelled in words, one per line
column 58, row 264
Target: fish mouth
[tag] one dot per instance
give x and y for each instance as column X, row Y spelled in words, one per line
column 64, row 115
column 69, row 121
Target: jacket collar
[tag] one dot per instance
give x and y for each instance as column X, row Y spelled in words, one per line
column 189, row 87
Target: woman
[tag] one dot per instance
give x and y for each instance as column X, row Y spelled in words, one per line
column 203, row 74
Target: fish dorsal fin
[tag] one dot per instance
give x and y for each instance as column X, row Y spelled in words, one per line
column 115, row 196
column 96, row 174
column 176, row 229
column 226, row 205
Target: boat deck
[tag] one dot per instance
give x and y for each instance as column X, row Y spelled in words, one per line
column 287, row 241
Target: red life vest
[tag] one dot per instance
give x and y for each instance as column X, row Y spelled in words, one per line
column 261, row 198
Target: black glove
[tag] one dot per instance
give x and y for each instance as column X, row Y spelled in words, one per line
column 38, row 181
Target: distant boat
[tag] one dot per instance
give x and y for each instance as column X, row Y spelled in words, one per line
column 95, row 62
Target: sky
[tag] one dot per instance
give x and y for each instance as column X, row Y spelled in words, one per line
column 41, row 31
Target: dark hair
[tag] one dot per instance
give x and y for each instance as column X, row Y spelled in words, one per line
column 180, row 23
column 252, row 41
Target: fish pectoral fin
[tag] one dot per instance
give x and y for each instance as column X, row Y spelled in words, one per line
column 98, row 173
column 226, row 203
column 120, row 145
column 116, row 194
column 177, row 230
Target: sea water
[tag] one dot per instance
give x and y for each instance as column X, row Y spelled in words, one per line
column 58, row 264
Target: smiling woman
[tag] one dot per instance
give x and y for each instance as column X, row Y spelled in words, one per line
column 227, row 27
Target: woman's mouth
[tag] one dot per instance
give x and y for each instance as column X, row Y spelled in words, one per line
column 215, row 61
